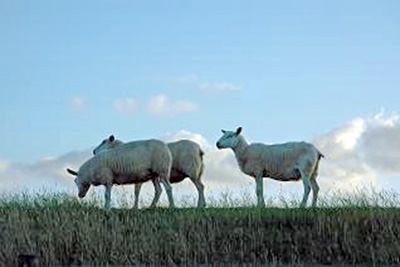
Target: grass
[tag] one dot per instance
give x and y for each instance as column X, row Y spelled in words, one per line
column 59, row 228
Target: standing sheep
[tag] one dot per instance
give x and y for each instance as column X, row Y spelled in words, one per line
column 187, row 161
column 136, row 162
column 283, row 162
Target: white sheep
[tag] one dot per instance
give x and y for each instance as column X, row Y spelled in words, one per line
column 135, row 162
column 292, row 161
column 187, row 161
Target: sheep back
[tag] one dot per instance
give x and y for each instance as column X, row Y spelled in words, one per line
column 187, row 160
column 133, row 162
column 280, row 161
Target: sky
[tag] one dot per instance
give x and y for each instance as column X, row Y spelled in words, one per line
column 74, row 72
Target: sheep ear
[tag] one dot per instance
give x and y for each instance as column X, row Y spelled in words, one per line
column 238, row 130
column 72, row 172
column 111, row 138
column 223, row 131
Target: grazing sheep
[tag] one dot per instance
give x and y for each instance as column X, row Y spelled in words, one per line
column 187, row 161
column 292, row 161
column 136, row 162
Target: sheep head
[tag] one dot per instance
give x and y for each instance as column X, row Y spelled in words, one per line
column 83, row 186
column 229, row 139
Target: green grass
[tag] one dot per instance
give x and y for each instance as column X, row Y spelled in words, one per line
column 61, row 229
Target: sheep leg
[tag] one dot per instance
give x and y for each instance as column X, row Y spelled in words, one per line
column 200, row 188
column 307, row 188
column 315, row 189
column 108, row 196
column 260, row 191
column 314, row 185
column 157, row 192
column 168, row 188
column 137, row 192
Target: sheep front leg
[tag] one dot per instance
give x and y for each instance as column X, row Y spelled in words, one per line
column 200, row 188
column 260, row 191
column 168, row 188
column 307, row 188
column 108, row 196
column 157, row 192
column 137, row 192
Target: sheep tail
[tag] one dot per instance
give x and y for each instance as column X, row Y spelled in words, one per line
column 200, row 170
column 201, row 153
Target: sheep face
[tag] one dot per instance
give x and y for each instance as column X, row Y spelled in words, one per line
column 83, row 187
column 106, row 144
column 229, row 139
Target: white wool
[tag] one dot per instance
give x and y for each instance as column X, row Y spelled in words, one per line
column 135, row 162
column 187, row 161
column 291, row 161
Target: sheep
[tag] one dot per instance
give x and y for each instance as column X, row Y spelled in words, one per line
column 187, row 161
column 291, row 161
column 136, row 162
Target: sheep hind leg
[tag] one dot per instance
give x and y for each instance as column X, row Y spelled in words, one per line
column 168, row 188
column 108, row 197
column 137, row 193
column 307, row 188
column 314, row 185
column 157, row 192
column 200, row 188
column 315, row 189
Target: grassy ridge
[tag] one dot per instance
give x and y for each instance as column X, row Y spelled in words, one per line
column 63, row 230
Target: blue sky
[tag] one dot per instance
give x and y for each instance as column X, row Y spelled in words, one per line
column 73, row 72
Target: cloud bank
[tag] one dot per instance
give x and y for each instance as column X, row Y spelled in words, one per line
column 46, row 174
column 362, row 151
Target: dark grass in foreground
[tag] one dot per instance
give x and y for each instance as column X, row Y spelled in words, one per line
column 61, row 229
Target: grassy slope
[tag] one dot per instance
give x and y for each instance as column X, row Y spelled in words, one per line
column 63, row 230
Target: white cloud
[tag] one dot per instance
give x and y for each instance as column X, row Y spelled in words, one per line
column 157, row 105
column 361, row 152
column 161, row 105
column 78, row 103
column 194, row 81
column 218, row 86
column 183, row 134
column 126, row 105
column 380, row 145
column 45, row 174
